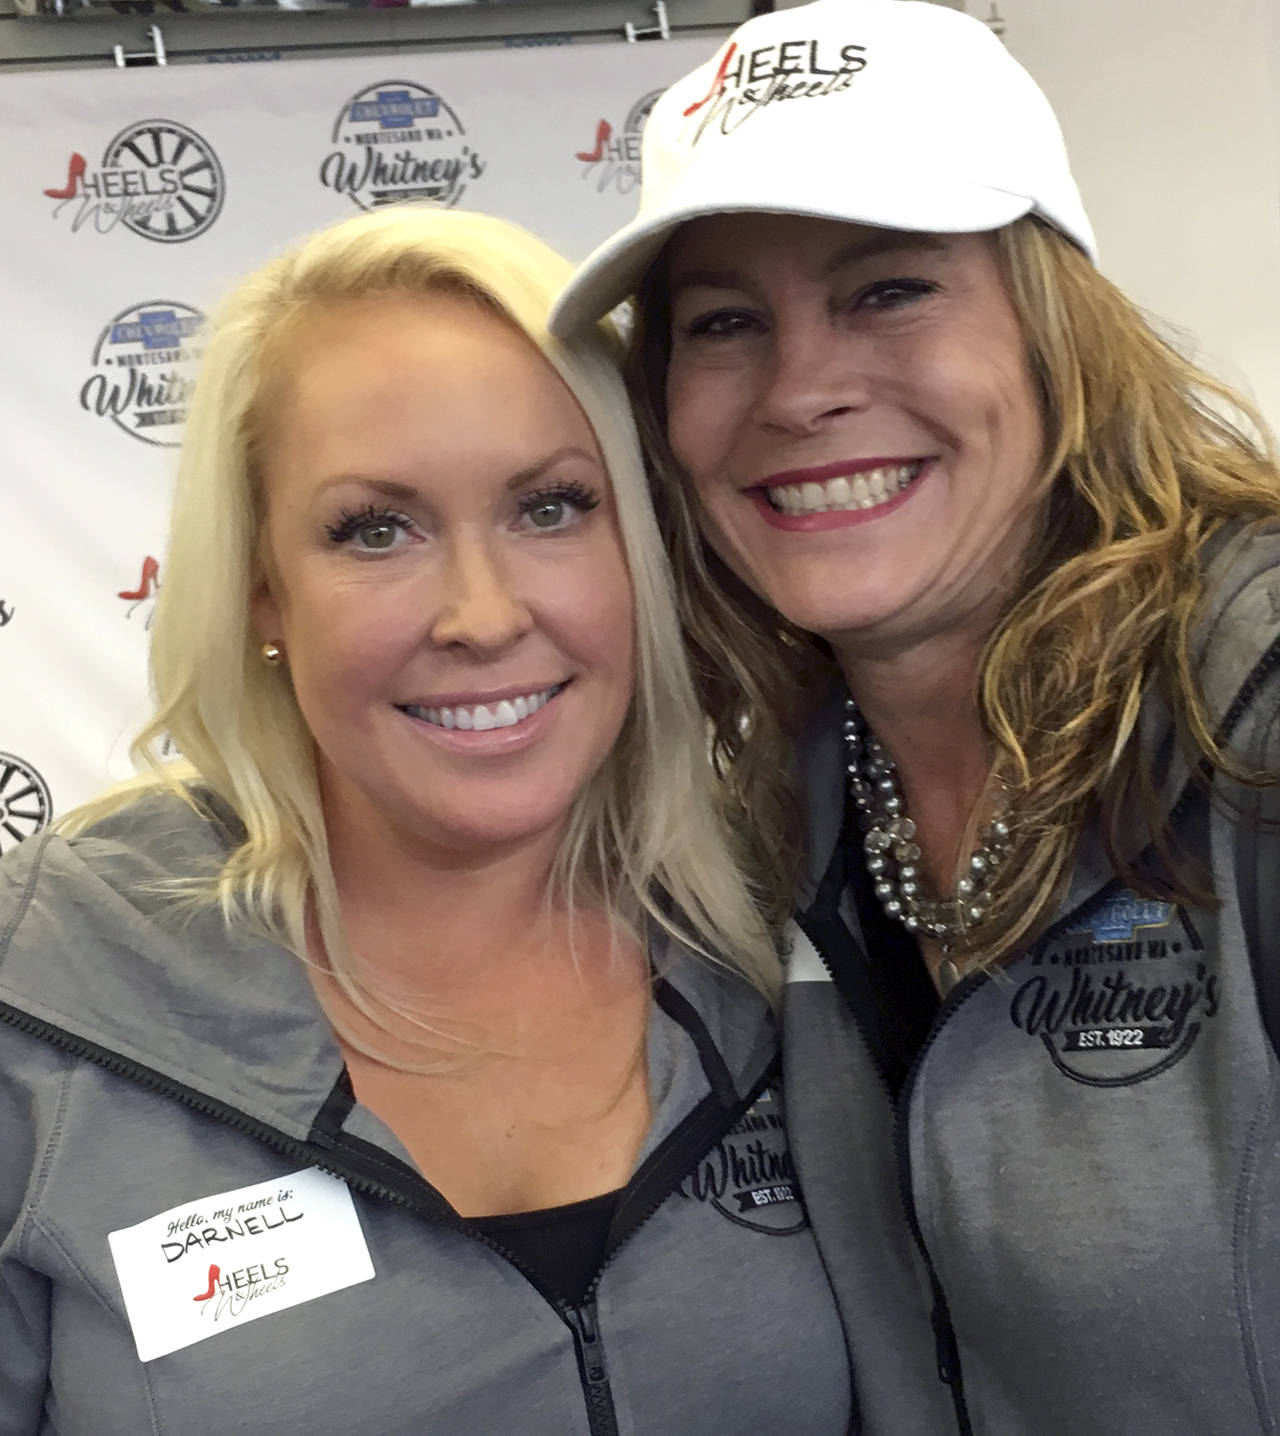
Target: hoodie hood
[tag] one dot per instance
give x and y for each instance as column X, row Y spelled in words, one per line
column 98, row 948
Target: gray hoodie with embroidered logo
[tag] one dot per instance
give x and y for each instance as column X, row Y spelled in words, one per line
column 201, row 1230
column 1060, row 1213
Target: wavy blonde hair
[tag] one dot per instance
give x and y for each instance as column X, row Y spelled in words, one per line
column 1146, row 459
column 646, row 837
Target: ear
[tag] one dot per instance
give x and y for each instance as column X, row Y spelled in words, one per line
column 265, row 612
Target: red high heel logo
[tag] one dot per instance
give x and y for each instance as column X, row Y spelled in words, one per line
column 603, row 131
column 147, row 584
column 717, row 84
column 75, row 173
column 214, row 1274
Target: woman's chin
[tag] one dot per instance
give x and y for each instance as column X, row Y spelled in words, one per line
column 841, row 617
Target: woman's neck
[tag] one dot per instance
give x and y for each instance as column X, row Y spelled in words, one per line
column 473, row 939
column 514, row 1071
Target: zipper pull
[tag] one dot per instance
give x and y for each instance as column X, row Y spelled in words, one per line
column 602, row 1419
column 586, row 1338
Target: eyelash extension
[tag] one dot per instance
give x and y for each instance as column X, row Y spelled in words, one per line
column 575, row 494
column 350, row 520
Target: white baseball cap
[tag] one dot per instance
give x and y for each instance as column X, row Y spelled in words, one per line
column 897, row 113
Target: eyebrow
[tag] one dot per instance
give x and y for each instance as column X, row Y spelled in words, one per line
column 870, row 247
column 889, row 241
column 536, row 471
column 405, row 493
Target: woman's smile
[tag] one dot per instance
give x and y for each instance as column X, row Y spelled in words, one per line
column 837, row 495
column 855, row 413
column 498, row 726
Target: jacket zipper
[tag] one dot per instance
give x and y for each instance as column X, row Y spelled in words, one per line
column 583, row 1321
column 946, row 1348
column 325, row 1155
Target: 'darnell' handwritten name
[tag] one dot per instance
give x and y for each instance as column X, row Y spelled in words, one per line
column 200, row 1236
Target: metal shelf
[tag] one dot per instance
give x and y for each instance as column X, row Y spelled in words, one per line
column 237, row 35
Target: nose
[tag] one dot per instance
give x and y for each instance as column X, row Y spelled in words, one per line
column 481, row 609
column 818, row 374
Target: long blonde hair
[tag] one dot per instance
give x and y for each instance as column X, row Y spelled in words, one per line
column 1147, row 458
column 646, row 837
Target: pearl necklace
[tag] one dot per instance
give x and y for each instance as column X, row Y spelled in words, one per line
column 892, row 855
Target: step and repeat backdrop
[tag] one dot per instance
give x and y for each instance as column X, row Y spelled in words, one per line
column 132, row 198
column 131, row 201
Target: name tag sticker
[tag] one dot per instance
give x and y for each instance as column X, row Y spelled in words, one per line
column 216, row 1263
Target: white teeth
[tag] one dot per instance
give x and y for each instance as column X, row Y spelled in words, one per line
column 480, row 717
column 861, row 491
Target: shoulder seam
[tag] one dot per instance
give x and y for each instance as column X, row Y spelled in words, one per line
column 30, row 1213
column 28, row 893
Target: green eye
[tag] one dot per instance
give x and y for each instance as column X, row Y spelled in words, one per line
column 548, row 514
column 370, row 529
column 377, row 535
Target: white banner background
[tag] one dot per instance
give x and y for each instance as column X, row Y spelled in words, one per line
column 84, row 492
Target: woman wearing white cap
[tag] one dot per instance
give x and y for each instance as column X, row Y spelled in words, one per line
column 953, row 524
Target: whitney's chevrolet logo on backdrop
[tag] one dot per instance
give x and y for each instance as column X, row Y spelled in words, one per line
column 144, row 368
column 397, row 140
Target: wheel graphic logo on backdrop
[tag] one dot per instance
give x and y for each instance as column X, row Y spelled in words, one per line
column 614, row 158
column 158, row 178
column 144, row 365
column 25, row 805
column 397, row 140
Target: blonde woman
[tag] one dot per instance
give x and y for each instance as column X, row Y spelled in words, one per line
column 403, row 1060
column 937, row 491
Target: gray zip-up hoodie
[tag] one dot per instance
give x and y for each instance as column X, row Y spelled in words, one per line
column 202, row 1231
column 1059, row 1214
